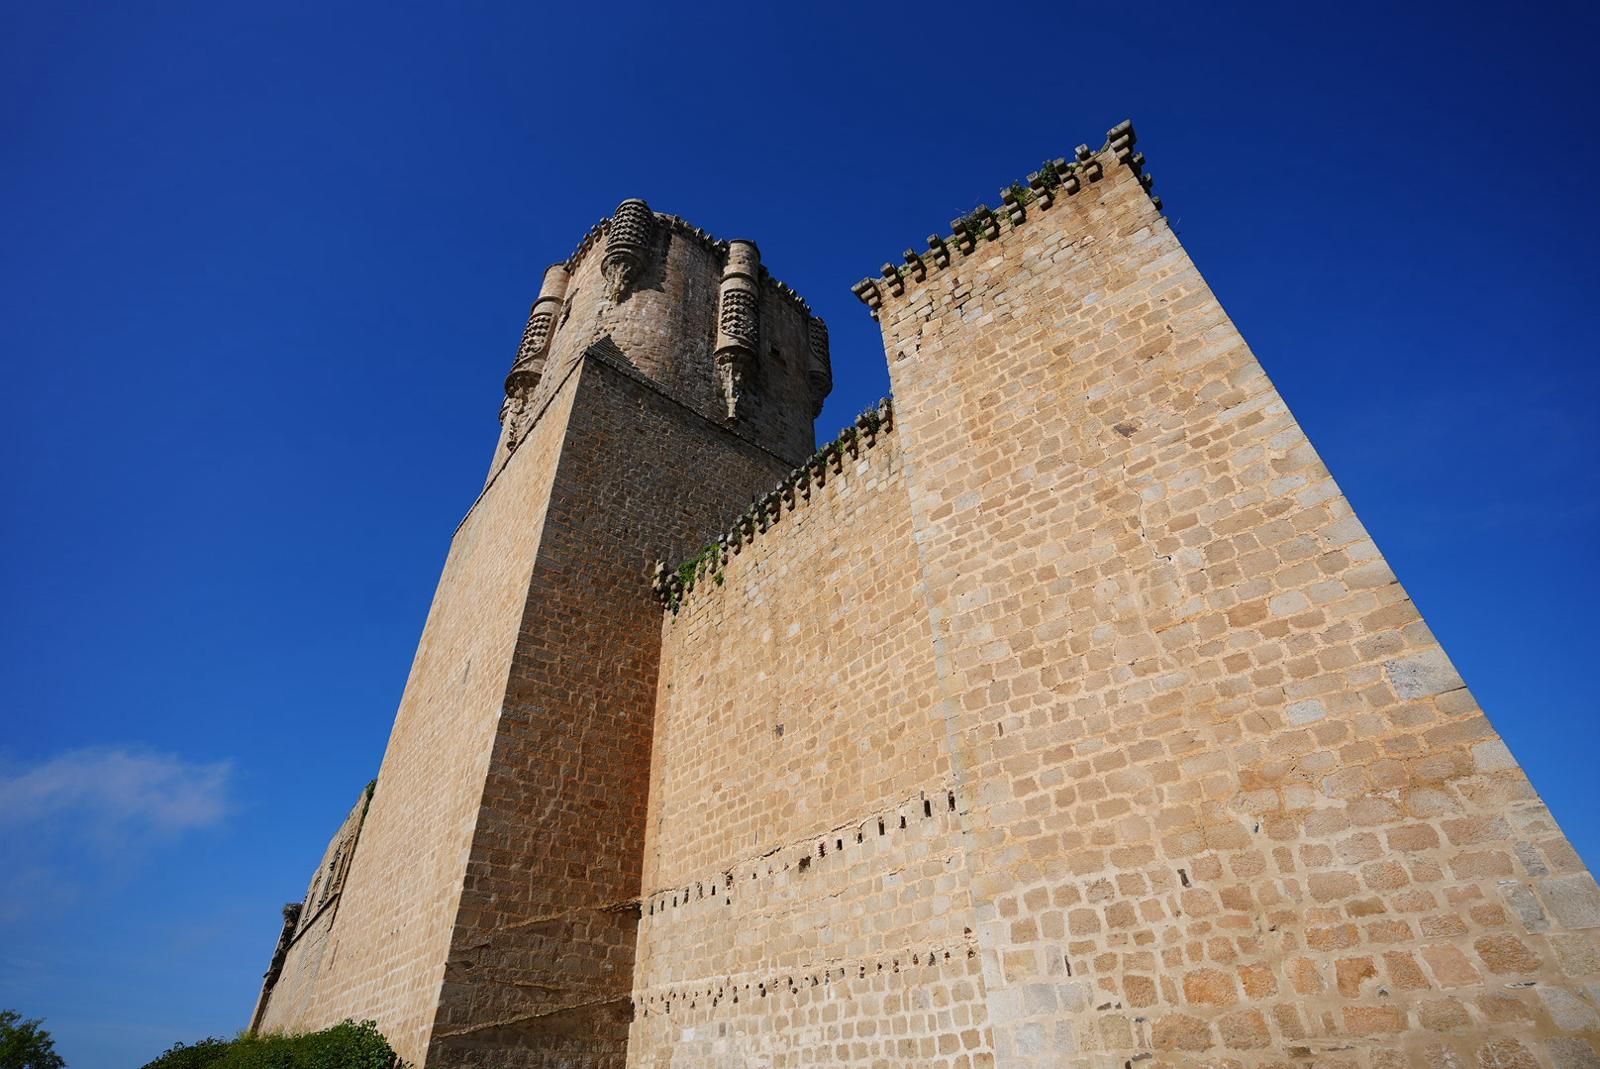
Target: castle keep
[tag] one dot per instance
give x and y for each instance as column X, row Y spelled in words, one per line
column 1059, row 713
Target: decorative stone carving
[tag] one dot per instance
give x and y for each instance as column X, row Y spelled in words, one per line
column 628, row 241
column 739, row 317
column 536, row 335
column 738, row 324
column 819, row 374
column 516, row 413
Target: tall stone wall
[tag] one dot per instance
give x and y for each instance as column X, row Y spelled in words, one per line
column 541, row 957
column 489, row 918
column 1230, row 802
column 805, row 887
column 386, row 959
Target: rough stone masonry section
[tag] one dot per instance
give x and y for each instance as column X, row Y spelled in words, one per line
column 805, row 886
column 1229, row 802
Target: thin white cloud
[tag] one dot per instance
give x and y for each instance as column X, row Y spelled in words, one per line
column 117, row 791
column 89, row 819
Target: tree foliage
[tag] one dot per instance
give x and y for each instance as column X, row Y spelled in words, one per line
column 344, row 1046
column 24, row 1045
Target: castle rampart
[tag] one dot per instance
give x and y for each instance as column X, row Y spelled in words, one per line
column 1061, row 713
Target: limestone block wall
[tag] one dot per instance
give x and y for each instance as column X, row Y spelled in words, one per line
column 1230, row 803
column 541, row 956
column 804, row 885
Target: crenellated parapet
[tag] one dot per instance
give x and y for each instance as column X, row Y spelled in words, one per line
column 765, row 512
column 717, row 246
column 681, row 227
column 590, row 239
column 1056, row 179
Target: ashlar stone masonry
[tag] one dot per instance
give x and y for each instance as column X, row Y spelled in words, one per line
column 1060, row 712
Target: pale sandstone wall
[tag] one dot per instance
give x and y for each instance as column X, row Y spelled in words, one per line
column 492, row 918
column 386, row 958
column 1107, row 737
column 805, row 889
column 1230, row 803
column 541, row 959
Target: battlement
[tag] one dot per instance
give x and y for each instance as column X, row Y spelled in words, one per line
column 672, row 585
column 1056, row 178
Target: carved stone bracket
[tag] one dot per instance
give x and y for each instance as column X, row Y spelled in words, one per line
column 733, row 375
column 516, row 414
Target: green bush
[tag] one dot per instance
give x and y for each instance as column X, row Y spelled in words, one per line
column 201, row 1055
column 344, row 1046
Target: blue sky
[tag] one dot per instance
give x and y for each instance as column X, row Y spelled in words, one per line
column 263, row 268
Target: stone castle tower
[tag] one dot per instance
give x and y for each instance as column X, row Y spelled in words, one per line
column 1060, row 714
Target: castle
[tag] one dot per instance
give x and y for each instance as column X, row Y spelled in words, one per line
column 1058, row 713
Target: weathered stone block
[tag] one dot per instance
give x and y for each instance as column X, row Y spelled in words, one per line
column 1423, row 675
